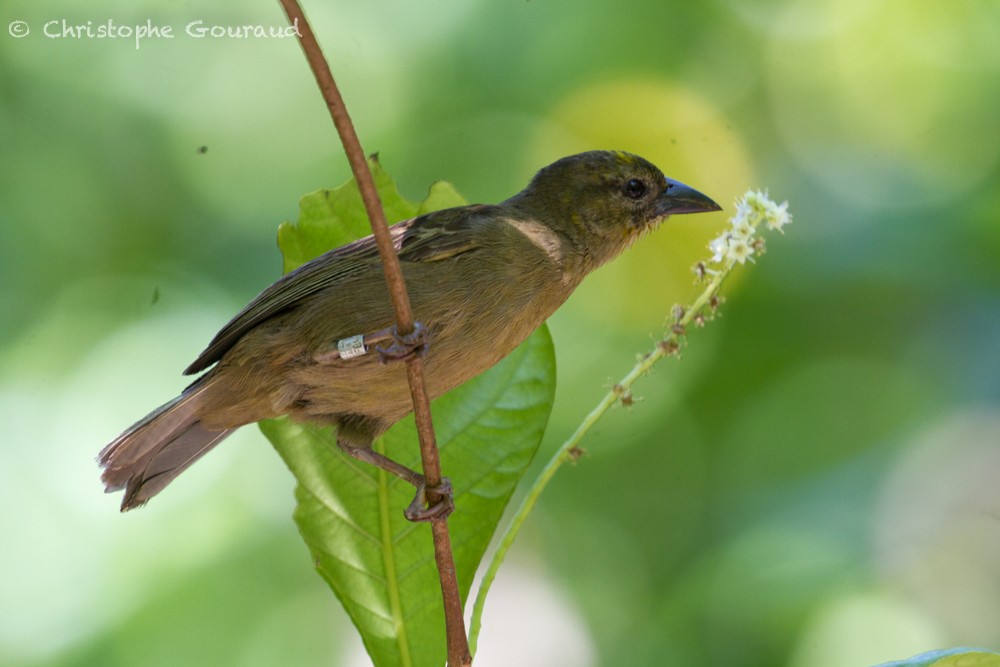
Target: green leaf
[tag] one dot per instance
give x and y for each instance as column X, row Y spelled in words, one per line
column 331, row 218
column 380, row 566
column 954, row 657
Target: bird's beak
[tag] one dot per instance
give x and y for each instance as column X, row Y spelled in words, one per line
column 679, row 198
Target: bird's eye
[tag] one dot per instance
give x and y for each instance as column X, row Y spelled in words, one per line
column 634, row 188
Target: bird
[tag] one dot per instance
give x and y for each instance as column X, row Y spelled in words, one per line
column 319, row 345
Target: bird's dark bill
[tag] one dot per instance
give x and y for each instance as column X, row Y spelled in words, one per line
column 679, row 198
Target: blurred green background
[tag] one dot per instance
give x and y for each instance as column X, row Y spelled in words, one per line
column 815, row 483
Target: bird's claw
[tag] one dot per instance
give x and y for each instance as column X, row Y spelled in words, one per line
column 401, row 348
column 418, row 509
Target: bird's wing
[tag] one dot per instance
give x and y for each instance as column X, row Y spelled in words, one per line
column 427, row 238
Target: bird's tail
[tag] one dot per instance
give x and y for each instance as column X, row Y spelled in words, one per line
column 157, row 448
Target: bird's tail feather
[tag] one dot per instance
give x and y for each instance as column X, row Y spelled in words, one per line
column 154, row 450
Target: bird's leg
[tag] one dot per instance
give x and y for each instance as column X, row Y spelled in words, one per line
column 418, row 509
column 404, row 347
column 398, row 348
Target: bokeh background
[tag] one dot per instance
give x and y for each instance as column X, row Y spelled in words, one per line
column 816, row 482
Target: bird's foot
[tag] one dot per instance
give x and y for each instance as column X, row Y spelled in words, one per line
column 401, row 348
column 418, row 510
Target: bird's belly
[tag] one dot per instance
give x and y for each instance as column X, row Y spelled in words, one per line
column 367, row 385
column 370, row 386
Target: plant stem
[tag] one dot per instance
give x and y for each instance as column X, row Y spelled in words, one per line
column 458, row 649
column 570, row 449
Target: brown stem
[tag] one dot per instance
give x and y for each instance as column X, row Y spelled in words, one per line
column 458, row 647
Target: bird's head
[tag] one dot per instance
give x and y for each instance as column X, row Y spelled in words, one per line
column 604, row 200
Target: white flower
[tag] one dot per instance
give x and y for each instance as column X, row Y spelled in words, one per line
column 740, row 242
column 777, row 215
column 757, row 201
column 743, row 209
column 742, row 228
column 719, row 247
column 739, row 251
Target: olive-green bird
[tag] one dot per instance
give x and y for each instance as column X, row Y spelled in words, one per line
column 480, row 278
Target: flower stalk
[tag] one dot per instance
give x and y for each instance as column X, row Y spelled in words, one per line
column 737, row 244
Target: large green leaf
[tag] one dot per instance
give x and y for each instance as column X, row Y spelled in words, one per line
column 350, row 514
column 331, row 218
column 379, row 565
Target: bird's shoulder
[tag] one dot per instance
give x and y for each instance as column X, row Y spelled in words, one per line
column 446, row 233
